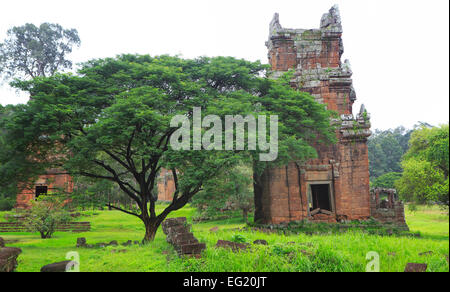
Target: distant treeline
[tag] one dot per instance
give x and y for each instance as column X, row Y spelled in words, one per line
column 386, row 149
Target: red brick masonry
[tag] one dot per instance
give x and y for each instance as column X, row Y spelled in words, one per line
column 315, row 55
column 55, row 180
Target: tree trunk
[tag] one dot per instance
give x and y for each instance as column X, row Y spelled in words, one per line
column 258, row 194
column 151, row 227
column 245, row 215
column 45, row 235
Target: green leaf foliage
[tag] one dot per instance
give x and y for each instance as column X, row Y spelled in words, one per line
column 45, row 215
column 425, row 166
column 386, row 180
column 111, row 121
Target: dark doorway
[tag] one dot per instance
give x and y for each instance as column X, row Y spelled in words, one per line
column 321, row 198
column 41, row 190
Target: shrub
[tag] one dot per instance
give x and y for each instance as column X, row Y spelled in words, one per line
column 239, row 238
column 412, row 207
column 45, row 215
column 280, row 250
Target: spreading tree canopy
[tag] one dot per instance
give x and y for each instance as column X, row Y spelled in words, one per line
column 111, row 121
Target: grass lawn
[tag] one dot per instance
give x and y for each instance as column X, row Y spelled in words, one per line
column 342, row 252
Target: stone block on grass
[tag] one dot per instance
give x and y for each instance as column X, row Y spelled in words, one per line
column 81, row 242
column 172, row 222
column 182, row 239
column 191, row 249
column 260, row 242
column 57, row 267
column 235, row 246
column 414, row 267
column 8, row 258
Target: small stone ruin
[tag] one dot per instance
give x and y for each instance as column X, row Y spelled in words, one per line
column 8, row 257
column 179, row 235
column 387, row 208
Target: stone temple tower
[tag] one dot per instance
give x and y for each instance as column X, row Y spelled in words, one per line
column 335, row 186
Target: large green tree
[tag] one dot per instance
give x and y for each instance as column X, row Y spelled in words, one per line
column 112, row 121
column 27, row 52
column 426, row 166
column 31, row 51
column 11, row 160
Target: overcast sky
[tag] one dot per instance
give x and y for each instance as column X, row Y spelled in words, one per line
column 399, row 50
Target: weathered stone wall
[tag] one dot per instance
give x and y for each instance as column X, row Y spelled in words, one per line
column 178, row 234
column 315, row 57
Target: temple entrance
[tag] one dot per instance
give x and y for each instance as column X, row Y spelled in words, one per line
column 41, row 190
column 320, row 197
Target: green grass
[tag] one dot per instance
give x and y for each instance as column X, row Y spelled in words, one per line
column 430, row 221
column 341, row 252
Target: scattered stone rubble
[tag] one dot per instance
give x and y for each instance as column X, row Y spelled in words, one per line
column 82, row 242
column 214, row 229
column 260, row 242
column 178, row 234
column 414, row 267
column 235, row 246
column 426, row 253
column 8, row 257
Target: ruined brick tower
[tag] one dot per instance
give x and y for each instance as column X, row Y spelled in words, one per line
column 335, row 186
column 53, row 181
